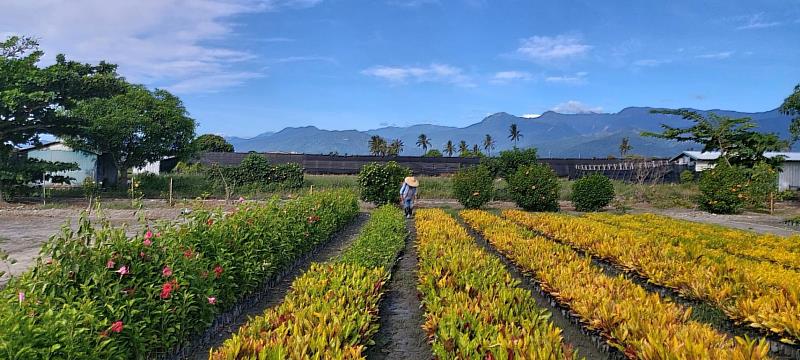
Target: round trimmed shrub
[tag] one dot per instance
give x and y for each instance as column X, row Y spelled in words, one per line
column 535, row 188
column 723, row 189
column 472, row 186
column 380, row 183
column 687, row 176
column 592, row 193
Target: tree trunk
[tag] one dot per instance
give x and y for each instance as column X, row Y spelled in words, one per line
column 122, row 177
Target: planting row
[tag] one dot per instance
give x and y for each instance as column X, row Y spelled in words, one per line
column 95, row 293
column 640, row 324
column 473, row 307
column 762, row 294
column 769, row 247
column 331, row 311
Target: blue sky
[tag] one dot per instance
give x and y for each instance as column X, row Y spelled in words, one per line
column 248, row 66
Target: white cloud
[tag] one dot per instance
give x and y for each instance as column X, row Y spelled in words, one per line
column 531, row 116
column 576, row 107
column 651, row 62
column 574, row 79
column 293, row 59
column 756, row 21
column 164, row 43
column 432, row 73
column 548, row 49
column 504, row 77
column 716, row 56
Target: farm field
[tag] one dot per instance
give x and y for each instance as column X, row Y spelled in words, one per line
column 310, row 276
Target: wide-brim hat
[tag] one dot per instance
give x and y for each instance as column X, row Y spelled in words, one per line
column 411, row 181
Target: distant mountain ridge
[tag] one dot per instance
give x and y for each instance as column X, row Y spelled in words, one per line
column 553, row 134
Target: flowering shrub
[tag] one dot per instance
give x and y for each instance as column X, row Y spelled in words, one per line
column 592, row 192
column 380, row 183
column 331, row 311
column 535, row 188
column 472, row 186
column 98, row 294
column 723, row 189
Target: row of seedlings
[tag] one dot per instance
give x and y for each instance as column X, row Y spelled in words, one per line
column 331, row 310
column 761, row 294
column 96, row 293
column 640, row 324
column 783, row 250
column 473, row 307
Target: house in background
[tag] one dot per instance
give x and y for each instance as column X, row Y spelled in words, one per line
column 97, row 167
column 788, row 179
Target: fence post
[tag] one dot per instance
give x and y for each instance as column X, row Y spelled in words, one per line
column 170, row 191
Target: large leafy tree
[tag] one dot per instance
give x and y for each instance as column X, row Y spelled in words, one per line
column 34, row 101
column 212, row 143
column 791, row 106
column 734, row 138
column 135, row 127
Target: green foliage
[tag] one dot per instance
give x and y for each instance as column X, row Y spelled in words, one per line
column 535, row 188
column 791, row 106
column 379, row 241
column 18, row 172
column 723, row 189
column 472, row 186
column 734, row 138
column 91, row 189
column 424, row 142
column 507, row 163
column 762, row 186
column 256, row 170
column 433, row 153
column 514, row 134
column 211, row 143
column 687, row 176
column 163, row 285
column 380, row 183
column 134, row 128
column 592, row 192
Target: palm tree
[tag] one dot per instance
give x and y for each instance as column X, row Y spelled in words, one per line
column 514, row 134
column 624, row 147
column 396, row 147
column 463, row 148
column 449, row 148
column 488, row 144
column 377, row 145
column 424, row 142
column 476, row 150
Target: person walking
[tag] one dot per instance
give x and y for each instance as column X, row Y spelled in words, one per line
column 408, row 195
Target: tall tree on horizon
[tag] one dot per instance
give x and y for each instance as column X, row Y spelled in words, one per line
column 791, row 106
column 514, row 134
column 377, row 145
column 395, row 147
column 488, row 144
column 449, row 148
column 476, row 149
column 624, row 147
column 463, row 148
column 424, row 142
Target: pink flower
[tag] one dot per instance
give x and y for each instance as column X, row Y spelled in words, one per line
column 167, row 288
column 110, row 264
column 148, row 234
column 210, row 221
column 212, row 300
column 21, row 297
column 188, row 253
column 123, row 271
column 147, row 242
column 241, row 200
column 218, row 270
column 166, row 271
column 117, row 326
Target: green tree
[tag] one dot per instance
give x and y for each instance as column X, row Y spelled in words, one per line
column 395, row 147
column 732, row 137
column 488, row 144
column 449, row 148
column 377, row 145
column 472, row 186
column 432, row 153
column 624, row 147
column 463, row 148
column 211, row 143
column 514, row 134
column 135, row 127
column 424, row 142
column 507, row 163
column 34, row 101
column 791, row 106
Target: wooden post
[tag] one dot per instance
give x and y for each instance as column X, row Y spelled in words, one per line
column 771, row 202
column 44, row 190
column 170, row 191
column 311, row 191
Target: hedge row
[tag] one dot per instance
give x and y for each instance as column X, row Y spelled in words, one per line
column 97, row 294
column 640, row 324
column 331, row 311
column 473, row 307
column 761, row 294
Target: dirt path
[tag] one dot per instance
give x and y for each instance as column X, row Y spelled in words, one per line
column 276, row 293
column 400, row 335
column 587, row 346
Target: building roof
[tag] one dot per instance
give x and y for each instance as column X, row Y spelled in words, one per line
column 53, row 143
column 713, row 155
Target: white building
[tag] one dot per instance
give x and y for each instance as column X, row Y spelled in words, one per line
column 789, row 177
column 97, row 167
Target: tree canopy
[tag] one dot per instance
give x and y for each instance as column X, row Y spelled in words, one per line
column 791, row 106
column 211, row 143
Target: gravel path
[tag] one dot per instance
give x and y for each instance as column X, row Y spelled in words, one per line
column 401, row 318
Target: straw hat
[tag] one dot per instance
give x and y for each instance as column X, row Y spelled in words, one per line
column 411, row 181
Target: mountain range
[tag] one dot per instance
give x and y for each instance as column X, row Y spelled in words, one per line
column 553, row 134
